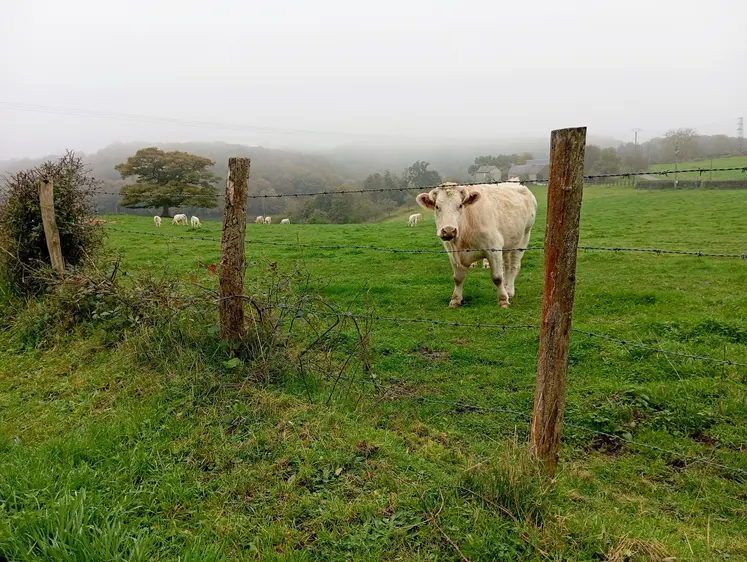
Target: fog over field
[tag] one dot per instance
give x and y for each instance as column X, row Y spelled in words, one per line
column 330, row 74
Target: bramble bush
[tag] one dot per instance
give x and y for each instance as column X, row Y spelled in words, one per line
column 23, row 246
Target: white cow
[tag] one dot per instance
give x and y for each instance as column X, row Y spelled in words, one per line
column 179, row 219
column 268, row 220
column 483, row 216
column 285, row 221
column 414, row 219
column 259, row 220
column 157, row 221
column 195, row 222
column 515, row 179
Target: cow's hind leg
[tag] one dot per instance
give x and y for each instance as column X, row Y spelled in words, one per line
column 497, row 274
column 512, row 267
column 456, row 296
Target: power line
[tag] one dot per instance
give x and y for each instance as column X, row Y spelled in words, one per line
column 119, row 116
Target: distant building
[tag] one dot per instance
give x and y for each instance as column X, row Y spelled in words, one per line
column 488, row 174
column 534, row 170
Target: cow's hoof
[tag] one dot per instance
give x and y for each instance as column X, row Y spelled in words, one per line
column 455, row 303
column 504, row 305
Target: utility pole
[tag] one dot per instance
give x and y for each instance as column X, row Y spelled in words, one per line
column 740, row 135
column 636, row 131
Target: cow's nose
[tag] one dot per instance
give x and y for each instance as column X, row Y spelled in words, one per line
column 448, row 233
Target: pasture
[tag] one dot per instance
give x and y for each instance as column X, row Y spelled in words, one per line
column 166, row 463
column 728, row 162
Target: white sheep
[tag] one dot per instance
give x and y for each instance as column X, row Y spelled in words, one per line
column 259, row 220
column 195, row 222
column 157, row 220
column 268, row 220
column 285, row 221
column 179, row 219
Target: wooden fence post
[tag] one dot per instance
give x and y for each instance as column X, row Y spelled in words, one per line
column 51, row 232
column 232, row 252
column 564, row 193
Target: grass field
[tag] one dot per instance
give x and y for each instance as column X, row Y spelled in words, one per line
column 105, row 457
column 731, row 162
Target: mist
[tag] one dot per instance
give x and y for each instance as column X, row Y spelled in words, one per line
column 83, row 74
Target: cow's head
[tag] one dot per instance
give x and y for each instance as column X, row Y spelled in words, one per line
column 448, row 204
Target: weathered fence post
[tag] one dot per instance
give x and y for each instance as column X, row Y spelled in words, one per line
column 564, row 193
column 51, row 232
column 232, row 253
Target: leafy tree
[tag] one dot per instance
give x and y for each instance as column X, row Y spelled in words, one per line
column 591, row 157
column 419, row 175
column 609, row 162
column 167, row 179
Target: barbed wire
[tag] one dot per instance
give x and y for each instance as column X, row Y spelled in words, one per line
column 398, row 319
column 434, row 186
column 659, row 350
column 438, row 251
column 665, row 173
column 401, row 392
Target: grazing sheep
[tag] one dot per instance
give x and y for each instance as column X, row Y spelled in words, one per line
column 268, row 220
column 179, row 219
column 285, row 221
column 157, row 221
column 195, row 222
column 259, row 220
column 414, row 219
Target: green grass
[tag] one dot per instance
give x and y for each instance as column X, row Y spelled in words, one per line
column 730, row 162
column 103, row 457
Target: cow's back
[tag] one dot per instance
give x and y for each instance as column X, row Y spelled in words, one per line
column 503, row 214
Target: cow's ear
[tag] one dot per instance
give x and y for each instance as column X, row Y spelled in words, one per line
column 425, row 201
column 470, row 197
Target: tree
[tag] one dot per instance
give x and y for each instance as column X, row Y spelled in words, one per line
column 418, row 175
column 591, row 157
column 609, row 162
column 680, row 144
column 167, row 179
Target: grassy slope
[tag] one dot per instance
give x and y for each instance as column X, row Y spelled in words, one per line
column 178, row 464
column 731, row 162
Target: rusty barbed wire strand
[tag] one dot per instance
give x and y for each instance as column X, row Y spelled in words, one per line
column 516, row 326
column 625, row 175
column 438, row 251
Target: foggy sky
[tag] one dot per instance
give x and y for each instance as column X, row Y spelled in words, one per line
column 364, row 72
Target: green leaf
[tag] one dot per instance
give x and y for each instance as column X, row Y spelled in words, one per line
column 232, row 363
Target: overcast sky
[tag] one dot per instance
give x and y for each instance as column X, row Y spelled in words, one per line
column 351, row 71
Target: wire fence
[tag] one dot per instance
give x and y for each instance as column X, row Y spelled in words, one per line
column 594, row 178
column 658, row 251
column 398, row 391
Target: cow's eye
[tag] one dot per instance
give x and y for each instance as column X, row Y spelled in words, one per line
column 438, row 208
column 460, row 206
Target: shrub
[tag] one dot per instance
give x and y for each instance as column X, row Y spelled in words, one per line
column 23, row 246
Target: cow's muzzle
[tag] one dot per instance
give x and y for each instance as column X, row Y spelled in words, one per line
column 447, row 233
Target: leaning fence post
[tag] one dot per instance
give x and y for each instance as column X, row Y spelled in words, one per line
column 51, row 232
column 564, row 193
column 232, row 253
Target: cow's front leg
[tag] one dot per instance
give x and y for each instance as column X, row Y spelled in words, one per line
column 496, row 272
column 459, row 275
